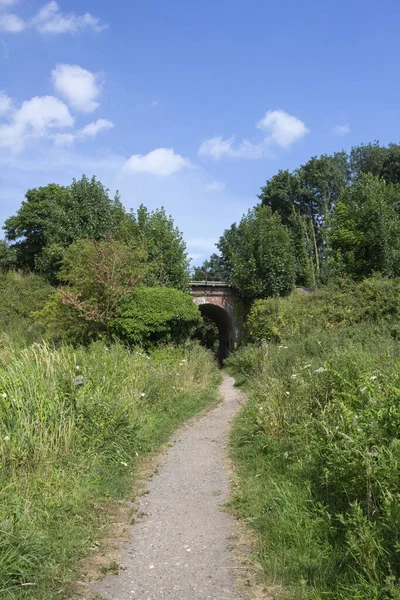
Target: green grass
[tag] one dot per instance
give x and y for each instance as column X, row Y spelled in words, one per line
column 73, row 424
column 317, row 449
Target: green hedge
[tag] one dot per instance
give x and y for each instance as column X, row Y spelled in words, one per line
column 150, row 316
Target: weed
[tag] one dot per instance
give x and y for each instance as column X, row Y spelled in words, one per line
column 317, row 448
column 67, row 450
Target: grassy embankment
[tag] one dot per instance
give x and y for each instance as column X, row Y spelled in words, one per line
column 73, row 425
column 318, row 444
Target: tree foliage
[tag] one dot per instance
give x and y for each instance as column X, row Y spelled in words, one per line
column 95, row 275
column 149, row 316
column 52, row 217
column 211, row 270
column 365, row 230
column 258, row 254
column 168, row 262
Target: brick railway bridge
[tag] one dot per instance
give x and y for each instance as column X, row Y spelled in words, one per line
column 216, row 300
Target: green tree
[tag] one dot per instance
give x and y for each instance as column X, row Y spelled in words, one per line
column 53, row 217
column 285, row 194
column 30, row 228
column 365, row 230
column 367, row 158
column 151, row 316
column 259, row 253
column 168, row 262
column 95, row 275
column 211, row 270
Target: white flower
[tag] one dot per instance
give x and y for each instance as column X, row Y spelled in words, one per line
column 4, row 395
column 136, row 453
column 6, row 438
column 337, row 427
column 77, row 367
column 287, row 393
column 124, row 464
column 294, row 375
column 363, row 389
column 320, row 370
column 373, row 377
column 142, row 394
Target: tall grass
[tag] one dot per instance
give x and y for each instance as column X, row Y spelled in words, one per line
column 73, row 424
column 317, row 449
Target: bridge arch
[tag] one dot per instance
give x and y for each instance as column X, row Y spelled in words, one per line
column 215, row 300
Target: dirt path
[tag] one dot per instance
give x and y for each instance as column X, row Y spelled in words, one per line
column 180, row 549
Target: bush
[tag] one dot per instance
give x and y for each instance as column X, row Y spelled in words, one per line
column 21, row 295
column 150, row 316
column 343, row 304
column 318, row 444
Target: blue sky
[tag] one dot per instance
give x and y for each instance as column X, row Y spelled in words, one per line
column 189, row 105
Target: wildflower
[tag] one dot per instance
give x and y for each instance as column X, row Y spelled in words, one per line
column 124, row 464
column 4, row 395
column 6, row 438
column 136, row 453
column 286, row 454
column 373, row 377
column 142, row 394
column 354, row 423
column 374, row 452
column 320, row 370
column 287, row 393
column 77, row 367
column 294, row 375
column 363, row 389
column 337, row 427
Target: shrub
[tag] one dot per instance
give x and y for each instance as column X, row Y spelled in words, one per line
column 150, row 316
column 317, row 446
column 22, row 295
column 343, row 304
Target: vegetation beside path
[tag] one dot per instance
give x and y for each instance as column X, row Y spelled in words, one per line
column 73, row 424
column 317, row 445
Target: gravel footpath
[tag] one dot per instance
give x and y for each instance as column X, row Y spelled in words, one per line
column 180, row 548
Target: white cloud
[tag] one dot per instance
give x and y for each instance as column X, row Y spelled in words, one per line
column 162, row 161
column 11, row 23
column 49, row 20
column 342, row 130
column 216, row 147
column 215, row 186
column 283, row 129
column 36, row 118
column 90, row 130
column 78, row 86
column 5, row 103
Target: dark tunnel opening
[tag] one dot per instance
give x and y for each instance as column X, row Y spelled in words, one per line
column 223, row 321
